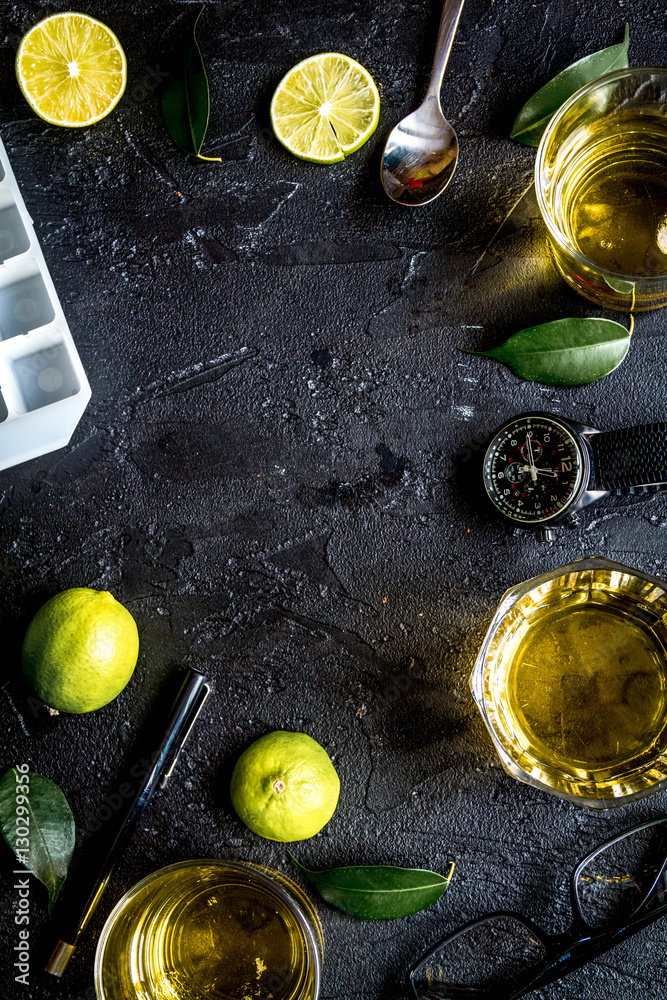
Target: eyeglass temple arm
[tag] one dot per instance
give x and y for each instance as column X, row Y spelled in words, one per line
column 574, row 877
column 586, row 951
column 447, row 991
column 583, row 949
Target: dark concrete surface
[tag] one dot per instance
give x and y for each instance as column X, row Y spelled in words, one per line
column 266, row 472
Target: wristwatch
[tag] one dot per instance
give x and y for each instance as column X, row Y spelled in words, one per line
column 539, row 469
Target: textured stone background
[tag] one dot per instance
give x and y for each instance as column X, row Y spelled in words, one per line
column 266, row 473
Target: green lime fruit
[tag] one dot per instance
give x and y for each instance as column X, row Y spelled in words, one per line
column 80, row 650
column 284, row 787
column 325, row 108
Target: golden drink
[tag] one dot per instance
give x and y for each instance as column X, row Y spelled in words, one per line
column 586, row 686
column 601, row 183
column 211, row 931
column 614, row 196
column 572, row 682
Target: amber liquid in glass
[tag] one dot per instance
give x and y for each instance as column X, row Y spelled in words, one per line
column 587, row 685
column 217, row 937
column 613, row 195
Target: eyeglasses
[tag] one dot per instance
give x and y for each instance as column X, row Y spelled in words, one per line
column 615, row 891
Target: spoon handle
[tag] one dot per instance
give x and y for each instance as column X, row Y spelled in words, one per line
column 451, row 12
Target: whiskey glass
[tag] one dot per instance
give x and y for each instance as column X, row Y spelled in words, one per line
column 615, row 126
column 214, row 929
column 571, row 682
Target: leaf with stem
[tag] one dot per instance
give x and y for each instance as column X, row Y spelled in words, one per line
column 565, row 351
column 43, row 840
column 185, row 98
column 621, row 285
column 378, row 892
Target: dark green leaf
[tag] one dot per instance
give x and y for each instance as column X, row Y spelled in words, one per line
column 185, row 98
column 564, row 352
column 536, row 113
column 49, row 822
column 379, row 892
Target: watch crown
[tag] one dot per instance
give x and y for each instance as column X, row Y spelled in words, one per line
column 546, row 535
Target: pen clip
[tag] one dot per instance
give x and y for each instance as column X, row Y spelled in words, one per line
column 206, row 690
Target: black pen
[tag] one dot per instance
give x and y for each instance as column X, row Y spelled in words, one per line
column 83, row 901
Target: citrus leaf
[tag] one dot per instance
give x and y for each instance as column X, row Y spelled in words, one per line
column 48, row 820
column 185, row 98
column 378, row 892
column 536, row 113
column 621, row 285
column 565, row 351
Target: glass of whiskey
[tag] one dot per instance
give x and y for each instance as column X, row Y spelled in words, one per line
column 601, row 184
column 571, row 682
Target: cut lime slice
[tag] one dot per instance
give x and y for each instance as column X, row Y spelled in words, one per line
column 71, row 69
column 325, row 108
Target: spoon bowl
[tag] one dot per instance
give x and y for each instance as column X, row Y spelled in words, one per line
column 419, row 156
column 421, row 153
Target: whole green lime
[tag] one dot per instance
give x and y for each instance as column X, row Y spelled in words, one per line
column 80, row 650
column 284, row 786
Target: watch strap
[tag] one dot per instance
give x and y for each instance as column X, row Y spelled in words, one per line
column 631, row 459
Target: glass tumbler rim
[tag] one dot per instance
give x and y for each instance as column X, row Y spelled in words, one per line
column 518, row 761
column 289, row 893
column 554, row 230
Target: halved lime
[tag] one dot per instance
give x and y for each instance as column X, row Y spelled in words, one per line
column 325, row 108
column 71, row 69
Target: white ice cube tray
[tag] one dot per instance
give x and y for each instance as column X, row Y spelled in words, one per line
column 43, row 387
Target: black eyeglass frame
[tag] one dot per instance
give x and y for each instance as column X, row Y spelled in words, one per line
column 567, row 951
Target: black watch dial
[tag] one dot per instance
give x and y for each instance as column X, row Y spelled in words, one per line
column 533, row 469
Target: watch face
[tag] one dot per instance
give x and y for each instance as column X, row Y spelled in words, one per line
column 533, row 469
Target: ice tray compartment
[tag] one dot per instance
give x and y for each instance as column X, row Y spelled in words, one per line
column 43, row 387
column 45, row 376
column 14, row 238
column 25, row 305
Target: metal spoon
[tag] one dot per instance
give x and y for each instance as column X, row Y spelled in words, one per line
column 420, row 154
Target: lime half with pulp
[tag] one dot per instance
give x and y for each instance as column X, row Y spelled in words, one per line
column 71, row 69
column 325, row 108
